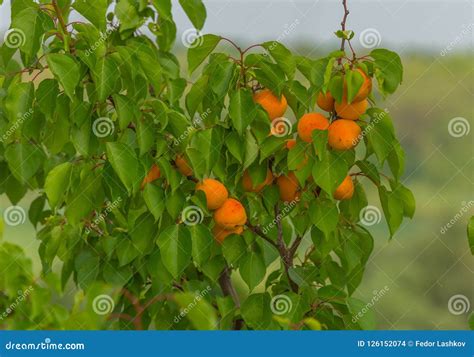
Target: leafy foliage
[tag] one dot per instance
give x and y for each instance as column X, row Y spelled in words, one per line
column 88, row 108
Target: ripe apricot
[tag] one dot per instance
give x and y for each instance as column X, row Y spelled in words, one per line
column 345, row 189
column 274, row 106
column 351, row 111
column 290, row 144
column 231, row 214
column 365, row 88
column 325, row 101
column 288, row 187
column 310, row 122
column 248, row 184
column 183, row 166
column 215, row 192
column 152, row 175
column 343, row 134
column 220, row 233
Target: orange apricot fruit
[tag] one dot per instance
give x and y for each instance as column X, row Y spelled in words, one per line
column 343, row 134
column 274, row 106
column 249, row 186
column 288, row 187
column 351, row 111
column 231, row 214
column 152, row 175
column 325, row 101
column 220, row 233
column 345, row 189
column 215, row 192
column 310, row 122
column 183, row 166
column 290, row 144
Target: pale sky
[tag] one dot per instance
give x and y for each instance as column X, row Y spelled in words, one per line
column 401, row 25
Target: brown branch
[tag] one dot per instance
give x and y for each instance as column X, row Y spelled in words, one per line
column 228, row 289
column 343, row 22
column 259, row 232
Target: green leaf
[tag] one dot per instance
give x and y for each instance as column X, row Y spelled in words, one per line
column 406, row 197
column 380, row 133
column 369, row 169
column 470, row 234
column 256, row 311
column 93, row 11
column 283, row 57
column 46, row 96
column 200, row 49
column 234, row 248
column 127, row 110
column 252, row 269
column 66, row 70
column 19, row 101
column 202, row 243
column 124, row 161
column 353, row 81
column 364, row 315
column 127, row 14
column 24, row 160
column 175, row 248
column 396, row 160
column 388, row 70
column 105, row 77
column 30, row 24
column 195, row 308
column 57, row 183
column 155, row 200
column 242, row 109
column 324, row 215
column 392, row 208
column 330, row 172
column 196, row 12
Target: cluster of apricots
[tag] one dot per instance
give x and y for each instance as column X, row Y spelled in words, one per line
column 343, row 132
column 229, row 214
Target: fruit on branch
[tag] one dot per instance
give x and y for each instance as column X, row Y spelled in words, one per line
column 274, row 106
column 325, row 101
column 310, row 122
column 343, row 134
column 351, row 110
column 231, row 214
column 216, row 193
column 288, row 187
column 220, row 233
column 345, row 189
column 183, row 166
column 365, row 88
column 152, row 175
column 250, row 187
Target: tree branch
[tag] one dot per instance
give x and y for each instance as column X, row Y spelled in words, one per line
column 259, row 232
column 228, row 290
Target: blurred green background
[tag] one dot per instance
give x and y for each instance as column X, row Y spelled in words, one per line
column 422, row 267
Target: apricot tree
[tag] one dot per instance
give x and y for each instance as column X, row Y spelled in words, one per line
column 230, row 183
